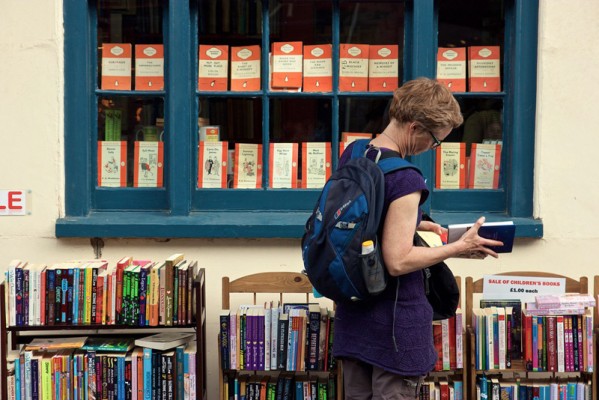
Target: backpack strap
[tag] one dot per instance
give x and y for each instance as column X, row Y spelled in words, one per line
column 388, row 161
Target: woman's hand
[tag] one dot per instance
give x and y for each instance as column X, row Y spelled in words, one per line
column 477, row 246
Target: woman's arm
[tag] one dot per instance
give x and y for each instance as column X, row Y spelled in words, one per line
column 400, row 254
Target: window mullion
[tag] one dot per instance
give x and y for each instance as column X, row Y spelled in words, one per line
column 524, row 89
column 422, row 63
column 178, row 78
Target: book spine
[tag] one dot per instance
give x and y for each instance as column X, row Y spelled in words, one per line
column 575, row 346
column 75, row 308
column 168, row 295
column 35, row 379
column 69, row 296
column 26, row 295
column 19, row 293
column 589, row 334
column 581, row 335
column 313, row 341
column 147, row 374
column 224, row 337
column 282, row 340
column 260, row 352
column 143, row 296
column 94, row 287
column 43, row 298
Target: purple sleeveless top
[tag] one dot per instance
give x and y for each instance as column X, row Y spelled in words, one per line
column 365, row 331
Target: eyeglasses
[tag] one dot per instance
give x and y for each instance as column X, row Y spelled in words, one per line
column 436, row 141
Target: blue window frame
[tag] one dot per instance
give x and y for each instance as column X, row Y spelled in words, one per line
column 180, row 209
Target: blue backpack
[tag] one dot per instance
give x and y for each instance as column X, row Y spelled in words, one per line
column 347, row 213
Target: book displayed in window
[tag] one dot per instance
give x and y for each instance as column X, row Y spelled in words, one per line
column 116, row 66
column 287, row 64
column 112, row 163
column 148, row 166
column 245, row 68
column 503, row 231
column 149, row 67
column 316, row 164
column 484, row 72
column 283, row 165
column 210, row 133
column 485, row 160
column 451, row 68
column 450, row 170
column 383, row 68
column 318, row 68
column 353, row 67
column 212, row 165
column 213, row 68
column 348, row 137
column 247, row 170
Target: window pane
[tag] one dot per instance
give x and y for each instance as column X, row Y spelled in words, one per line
column 130, row 141
column 223, row 124
column 130, row 45
column 361, row 115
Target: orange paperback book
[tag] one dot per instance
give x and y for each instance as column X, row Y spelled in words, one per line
column 353, row 67
column 149, row 67
column 318, row 68
column 283, row 165
column 112, row 164
column 383, row 68
column 213, row 68
column 484, row 74
column 247, row 171
column 287, row 65
column 212, row 165
column 116, row 66
column 485, row 160
column 348, row 137
column 316, row 164
column 451, row 166
column 149, row 160
column 245, row 68
column 451, row 68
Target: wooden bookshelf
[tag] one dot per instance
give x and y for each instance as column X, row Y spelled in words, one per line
column 14, row 336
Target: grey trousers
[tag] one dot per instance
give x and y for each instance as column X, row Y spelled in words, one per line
column 362, row 381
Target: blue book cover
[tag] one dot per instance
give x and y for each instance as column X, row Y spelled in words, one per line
column 147, row 373
column 120, row 359
column 483, row 385
column 458, row 390
column 503, row 231
column 179, row 357
column 17, row 364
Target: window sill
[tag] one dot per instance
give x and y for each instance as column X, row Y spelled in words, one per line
column 231, row 224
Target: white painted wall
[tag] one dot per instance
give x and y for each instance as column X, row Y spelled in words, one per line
column 567, row 181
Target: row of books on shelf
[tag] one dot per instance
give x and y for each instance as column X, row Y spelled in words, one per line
column 117, row 66
column 448, row 341
column 544, row 337
column 495, row 389
column 148, row 163
column 243, row 386
column 102, row 369
column 269, row 337
column 444, row 389
column 454, row 170
column 482, row 67
column 129, row 292
column 297, row 67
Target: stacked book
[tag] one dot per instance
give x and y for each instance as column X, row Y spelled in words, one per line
column 129, row 292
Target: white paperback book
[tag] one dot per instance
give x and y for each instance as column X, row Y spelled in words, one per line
column 164, row 340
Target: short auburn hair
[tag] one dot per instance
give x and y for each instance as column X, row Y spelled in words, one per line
column 427, row 102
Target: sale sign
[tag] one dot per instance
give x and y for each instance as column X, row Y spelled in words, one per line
column 525, row 288
column 13, row 202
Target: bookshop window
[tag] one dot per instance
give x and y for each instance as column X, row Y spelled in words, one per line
column 223, row 118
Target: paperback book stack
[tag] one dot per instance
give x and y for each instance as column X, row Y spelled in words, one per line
column 128, row 292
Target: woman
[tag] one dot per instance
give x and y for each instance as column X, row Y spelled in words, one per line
column 387, row 345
